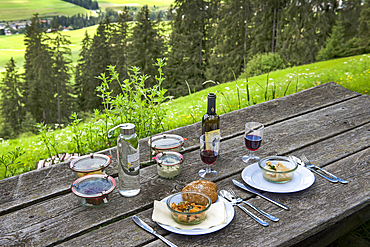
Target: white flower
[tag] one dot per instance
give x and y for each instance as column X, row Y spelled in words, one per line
column 227, row 88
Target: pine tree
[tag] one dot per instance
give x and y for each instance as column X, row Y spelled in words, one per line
column 266, row 26
column 61, row 75
column 335, row 45
column 362, row 43
column 146, row 45
column 232, row 41
column 120, row 48
column 100, row 53
column 39, row 90
column 189, row 45
column 83, row 75
column 297, row 41
column 11, row 107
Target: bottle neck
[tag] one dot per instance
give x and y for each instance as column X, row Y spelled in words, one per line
column 211, row 108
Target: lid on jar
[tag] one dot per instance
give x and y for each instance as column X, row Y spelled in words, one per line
column 91, row 186
column 166, row 141
column 90, row 163
column 169, row 158
column 127, row 129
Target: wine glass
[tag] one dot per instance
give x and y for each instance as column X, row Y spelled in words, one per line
column 209, row 148
column 253, row 139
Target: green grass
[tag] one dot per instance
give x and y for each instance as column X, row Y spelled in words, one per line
column 352, row 73
column 13, row 46
column 12, row 10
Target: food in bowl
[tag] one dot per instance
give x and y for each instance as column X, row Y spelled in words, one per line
column 188, row 212
column 94, row 190
column 277, row 169
column 169, row 164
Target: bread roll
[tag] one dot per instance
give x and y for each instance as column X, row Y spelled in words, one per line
column 203, row 186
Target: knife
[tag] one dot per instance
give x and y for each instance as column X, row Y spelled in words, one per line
column 146, row 227
column 237, row 183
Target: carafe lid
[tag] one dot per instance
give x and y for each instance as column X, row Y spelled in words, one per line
column 126, row 129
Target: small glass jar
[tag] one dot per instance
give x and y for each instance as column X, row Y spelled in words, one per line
column 90, row 164
column 278, row 169
column 94, row 189
column 166, row 142
column 169, row 164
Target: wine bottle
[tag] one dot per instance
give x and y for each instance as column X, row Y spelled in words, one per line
column 210, row 120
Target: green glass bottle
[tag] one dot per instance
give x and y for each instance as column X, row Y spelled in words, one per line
column 210, row 120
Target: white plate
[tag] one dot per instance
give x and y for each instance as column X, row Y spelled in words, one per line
column 302, row 179
column 229, row 216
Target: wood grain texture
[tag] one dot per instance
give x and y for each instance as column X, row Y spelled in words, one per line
column 49, row 222
column 322, row 206
column 37, row 208
column 21, row 190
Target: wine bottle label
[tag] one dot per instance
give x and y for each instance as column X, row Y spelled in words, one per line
column 211, row 135
column 133, row 160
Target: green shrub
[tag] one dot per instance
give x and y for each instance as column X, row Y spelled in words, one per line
column 264, row 63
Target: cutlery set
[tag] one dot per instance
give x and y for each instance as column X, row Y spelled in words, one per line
column 235, row 200
column 318, row 169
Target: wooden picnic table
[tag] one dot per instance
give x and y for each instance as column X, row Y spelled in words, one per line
column 327, row 123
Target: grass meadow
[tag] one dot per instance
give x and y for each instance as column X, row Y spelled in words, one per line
column 13, row 10
column 13, row 46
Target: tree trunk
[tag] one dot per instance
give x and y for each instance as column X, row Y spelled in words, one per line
column 245, row 39
column 273, row 32
column 58, row 102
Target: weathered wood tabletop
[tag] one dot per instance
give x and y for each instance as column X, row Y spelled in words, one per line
column 327, row 123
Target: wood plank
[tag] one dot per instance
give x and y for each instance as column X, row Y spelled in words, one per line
column 21, row 190
column 322, row 206
column 43, row 227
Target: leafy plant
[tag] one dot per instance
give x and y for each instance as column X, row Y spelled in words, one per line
column 47, row 136
column 9, row 161
column 78, row 144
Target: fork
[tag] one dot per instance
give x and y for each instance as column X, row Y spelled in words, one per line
column 314, row 168
column 239, row 200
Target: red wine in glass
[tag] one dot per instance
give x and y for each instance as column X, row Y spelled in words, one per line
column 253, row 142
column 208, row 156
column 253, row 139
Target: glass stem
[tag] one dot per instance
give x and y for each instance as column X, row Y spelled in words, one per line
column 251, row 154
column 208, row 169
